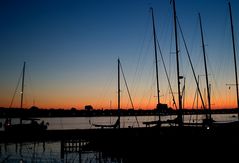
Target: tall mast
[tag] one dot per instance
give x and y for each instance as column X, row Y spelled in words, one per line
column 23, row 76
column 234, row 52
column 180, row 118
column 22, row 91
column 205, row 64
column 156, row 59
column 119, row 92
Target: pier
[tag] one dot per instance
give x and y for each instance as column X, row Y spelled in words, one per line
column 72, row 146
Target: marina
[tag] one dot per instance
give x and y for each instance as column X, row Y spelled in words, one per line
column 170, row 130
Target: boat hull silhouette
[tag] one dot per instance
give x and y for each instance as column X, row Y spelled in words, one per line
column 26, row 126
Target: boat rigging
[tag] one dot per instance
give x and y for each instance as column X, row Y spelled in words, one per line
column 117, row 123
column 208, row 114
column 156, row 61
column 33, row 126
column 234, row 54
column 180, row 111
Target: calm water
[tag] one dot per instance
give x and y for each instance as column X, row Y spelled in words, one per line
column 51, row 151
column 127, row 121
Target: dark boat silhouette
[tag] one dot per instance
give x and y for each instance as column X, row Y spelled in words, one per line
column 26, row 125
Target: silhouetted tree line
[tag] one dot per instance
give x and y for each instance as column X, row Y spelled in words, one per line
column 89, row 111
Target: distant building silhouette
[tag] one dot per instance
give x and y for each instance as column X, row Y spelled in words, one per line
column 88, row 107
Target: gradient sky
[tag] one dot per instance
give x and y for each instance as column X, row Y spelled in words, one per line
column 71, row 50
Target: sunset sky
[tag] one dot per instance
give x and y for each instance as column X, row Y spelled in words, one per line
column 71, row 50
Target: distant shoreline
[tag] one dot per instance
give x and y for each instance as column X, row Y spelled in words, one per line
column 36, row 112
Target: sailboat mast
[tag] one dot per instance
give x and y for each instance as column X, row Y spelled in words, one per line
column 119, row 92
column 205, row 64
column 234, row 52
column 156, row 58
column 22, row 91
column 180, row 118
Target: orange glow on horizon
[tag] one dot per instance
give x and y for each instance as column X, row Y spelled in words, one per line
column 64, row 101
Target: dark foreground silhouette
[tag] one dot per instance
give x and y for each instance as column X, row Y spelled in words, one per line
column 145, row 144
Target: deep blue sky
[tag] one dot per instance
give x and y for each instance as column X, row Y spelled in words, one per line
column 71, row 50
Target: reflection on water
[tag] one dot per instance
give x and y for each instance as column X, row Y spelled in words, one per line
column 49, row 152
column 29, row 152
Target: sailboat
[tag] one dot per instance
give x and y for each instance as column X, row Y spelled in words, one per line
column 235, row 59
column 159, row 105
column 179, row 119
column 25, row 125
column 213, row 127
column 117, row 123
column 233, row 124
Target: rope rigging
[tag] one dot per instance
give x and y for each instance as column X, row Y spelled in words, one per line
column 128, row 91
column 190, row 61
column 167, row 76
column 15, row 92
